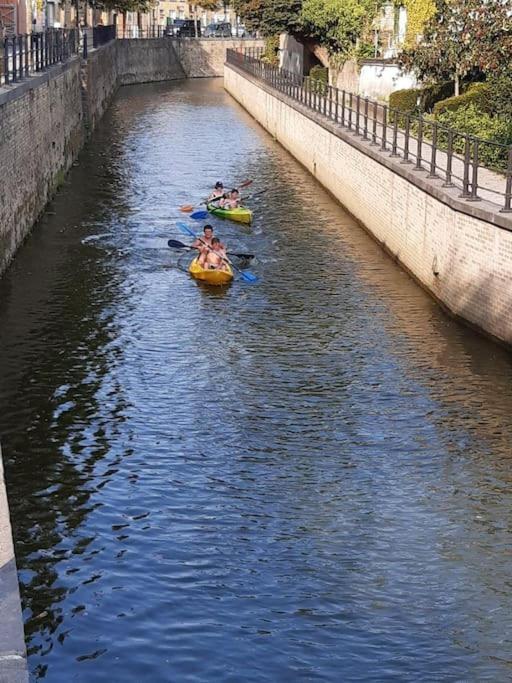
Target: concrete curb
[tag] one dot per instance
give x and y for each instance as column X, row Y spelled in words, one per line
column 13, row 654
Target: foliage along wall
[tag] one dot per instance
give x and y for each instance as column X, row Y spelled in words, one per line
column 418, row 13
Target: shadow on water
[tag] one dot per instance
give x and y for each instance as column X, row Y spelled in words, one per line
column 305, row 479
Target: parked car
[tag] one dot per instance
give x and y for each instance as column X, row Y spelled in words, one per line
column 239, row 31
column 218, row 31
column 183, row 28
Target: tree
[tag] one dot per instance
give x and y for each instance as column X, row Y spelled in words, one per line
column 123, row 7
column 463, row 35
column 204, row 4
column 338, row 24
column 270, row 17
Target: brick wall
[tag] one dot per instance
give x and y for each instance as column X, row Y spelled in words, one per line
column 464, row 261
column 41, row 134
column 205, row 58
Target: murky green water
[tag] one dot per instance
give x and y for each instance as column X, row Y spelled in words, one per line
column 308, row 479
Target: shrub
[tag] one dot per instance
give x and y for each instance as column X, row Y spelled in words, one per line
column 431, row 94
column 500, row 96
column 271, row 51
column 420, row 99
column 319, row 76
column 478, row 94
column 405, row 100
column 471, row 120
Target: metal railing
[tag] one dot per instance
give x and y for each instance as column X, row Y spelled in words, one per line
column 478, row 168
column 101, row 35
column 133, row 32
column 24, row 55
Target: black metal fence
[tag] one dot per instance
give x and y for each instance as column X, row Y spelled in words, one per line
column 24, row 55
column 103, row 34
column 480, row 169
column 133, row 32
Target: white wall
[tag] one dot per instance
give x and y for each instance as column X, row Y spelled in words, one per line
column 378, row 80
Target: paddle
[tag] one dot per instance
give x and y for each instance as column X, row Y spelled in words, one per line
column 187, row 208
column 244, row 274
column 176, row 244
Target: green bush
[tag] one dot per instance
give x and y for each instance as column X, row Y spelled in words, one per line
column 431, row 94
column 500, row 96
column 478, row 94
column 471, row 120
column 406, row 100
column 271, row 51
column 319, row 76
column 420, row 99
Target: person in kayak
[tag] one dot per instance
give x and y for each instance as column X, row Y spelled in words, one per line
column 218, row 192
column 203, row 245
column 231, row 200
column 215, row 259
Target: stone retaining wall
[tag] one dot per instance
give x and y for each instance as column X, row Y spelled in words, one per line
column 41, row 129
column 461, row 252
column 13, row 656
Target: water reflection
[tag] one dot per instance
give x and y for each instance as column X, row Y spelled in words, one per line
column 307, row 479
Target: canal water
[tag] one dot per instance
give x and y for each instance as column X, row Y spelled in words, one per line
column 307, row 479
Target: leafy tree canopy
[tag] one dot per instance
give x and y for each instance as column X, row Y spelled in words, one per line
column 270, row 17
column 339, row 24
column 463, row 35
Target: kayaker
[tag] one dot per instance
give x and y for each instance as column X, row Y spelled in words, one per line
column 218, row 191
column 203, row 244
column 231, row 201
column 216, row 255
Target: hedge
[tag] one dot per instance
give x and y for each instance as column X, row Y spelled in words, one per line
column 471, row 120
column 478, row 94
column 420, row 99
column 405, row 100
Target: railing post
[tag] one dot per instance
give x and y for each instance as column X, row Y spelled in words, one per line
column 358, row 105
column 14, row 67
column 474, row 176
column 337, row 105
column 384, row 127
column 405, row 159
column 343, row 106
column 467, row 161
column 419, row 145
column 365, row 129
column 350, row 102
column 6, row 60
column 394, row 144
column 449, row 160
column 374, row 122
column 21, row 65
column 433, row 156
column 507, row 207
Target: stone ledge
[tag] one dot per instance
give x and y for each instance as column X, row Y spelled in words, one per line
column 482, row 209
column 13, row 656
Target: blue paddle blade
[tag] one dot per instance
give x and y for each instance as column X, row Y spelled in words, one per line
column 248, row 276
column 186, row 230
column 199, row 215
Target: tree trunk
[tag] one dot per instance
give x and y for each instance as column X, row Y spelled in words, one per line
column 457, row 84
column 195, row 21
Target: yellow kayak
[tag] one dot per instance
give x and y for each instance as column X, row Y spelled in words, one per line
column 211, row 277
